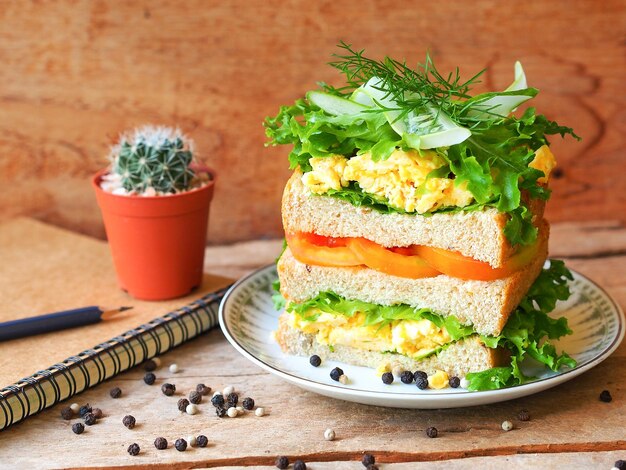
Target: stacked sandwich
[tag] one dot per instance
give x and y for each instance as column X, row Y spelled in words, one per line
column 414, row 225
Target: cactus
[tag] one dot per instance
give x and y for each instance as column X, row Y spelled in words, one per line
column 154, row 157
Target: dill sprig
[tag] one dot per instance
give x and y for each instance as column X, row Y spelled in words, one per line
column 412, row 89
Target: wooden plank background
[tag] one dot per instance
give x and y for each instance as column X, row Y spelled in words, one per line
column 75, row 73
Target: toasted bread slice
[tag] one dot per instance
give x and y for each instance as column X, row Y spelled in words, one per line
column 460, row 358
column 484, row 304
column 477, row 234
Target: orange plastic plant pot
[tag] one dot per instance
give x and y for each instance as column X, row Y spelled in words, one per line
column 157, row 242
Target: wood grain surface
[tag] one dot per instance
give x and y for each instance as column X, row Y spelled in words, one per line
column 569, row 426
column 78, row 72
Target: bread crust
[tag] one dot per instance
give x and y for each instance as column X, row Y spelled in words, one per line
column 460, row 358
column 477, row 234
column 486, row 305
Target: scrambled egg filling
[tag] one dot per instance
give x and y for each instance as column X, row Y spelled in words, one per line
column 402, row 179
column 413, row 338
column 544, row 161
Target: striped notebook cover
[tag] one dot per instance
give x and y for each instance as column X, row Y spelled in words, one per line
column 47, row 269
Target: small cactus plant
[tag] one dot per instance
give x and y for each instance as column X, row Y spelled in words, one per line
column 154, row 157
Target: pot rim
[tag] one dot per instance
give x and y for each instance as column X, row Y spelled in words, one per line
column 96, row 179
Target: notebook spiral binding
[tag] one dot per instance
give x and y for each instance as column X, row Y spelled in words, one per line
column 75, row 374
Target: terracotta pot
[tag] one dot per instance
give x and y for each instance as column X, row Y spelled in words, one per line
column 157, row 242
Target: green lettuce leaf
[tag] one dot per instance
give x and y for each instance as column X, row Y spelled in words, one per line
column 528, row 331
column 329, row 302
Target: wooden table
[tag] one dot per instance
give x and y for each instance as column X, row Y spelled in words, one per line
column 569, row 426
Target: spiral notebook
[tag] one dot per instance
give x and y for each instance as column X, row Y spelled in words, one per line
column 46, row 269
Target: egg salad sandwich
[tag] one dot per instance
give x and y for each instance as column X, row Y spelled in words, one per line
column 414, row 226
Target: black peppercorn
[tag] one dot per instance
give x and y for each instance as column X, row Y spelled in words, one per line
column 431, row 432
column 421, row 382
column 454, row 381
column 299, row 465
column 315, row 360
column 67, row 413
column 203, row 389
column 149, row 365
column 181, row 445
column 406, row 377
column 168, row 389
column 90, row 419
column 160, row 443
column 202, row 441
column 182, row 404
column 248, row 403
column 218, row 400
column 336, row 373
column 282, row 462
column 232, row 399
column 621, row 464
column 420, row 373
column 133, row 449
column 368, row 459
column 387, row 378
column 149, row 378
column 195, row 397
column 97, row 412
column 220, row 411
column 605, row 396
column 372, row 467
column 84, row 410
column 78, row 428
column 115, row 392
column 129, row 421
column 523, row 415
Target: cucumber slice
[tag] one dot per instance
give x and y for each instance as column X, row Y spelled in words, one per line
column 335, row 105
column 373, row 93
column 502, row 106
column 430, row 130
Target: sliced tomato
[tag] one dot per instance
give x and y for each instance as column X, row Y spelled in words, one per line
column 321, row 240
column 387, row 261
column 455, row 264
column 309, row 253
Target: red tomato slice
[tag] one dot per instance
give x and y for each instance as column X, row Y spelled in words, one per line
column 309, row 253
column 456, row 265
column 321, row 240
column 386, row 261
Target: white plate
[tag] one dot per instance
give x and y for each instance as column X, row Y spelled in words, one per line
column 248, row 318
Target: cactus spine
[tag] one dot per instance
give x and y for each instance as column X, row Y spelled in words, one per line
column 154, row 157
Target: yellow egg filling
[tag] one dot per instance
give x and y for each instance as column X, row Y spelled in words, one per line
column 402, row 179
column 413, row 338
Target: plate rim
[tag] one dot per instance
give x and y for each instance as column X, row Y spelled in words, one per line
column 417, row 397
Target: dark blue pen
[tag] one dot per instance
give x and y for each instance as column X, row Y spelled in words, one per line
column 56, row 321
